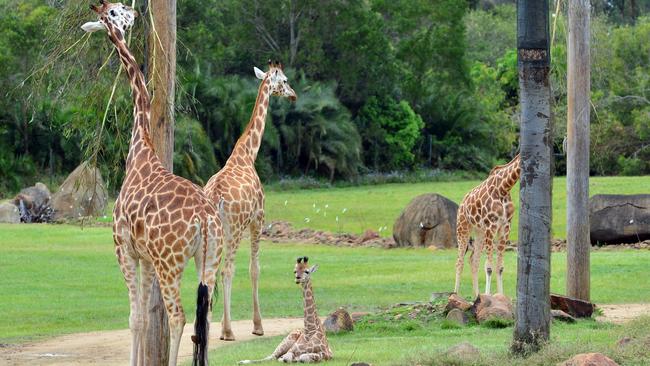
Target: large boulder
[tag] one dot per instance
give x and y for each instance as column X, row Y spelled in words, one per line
column 83, row 193
column 338, row 321
column 9, row 213
column 589, row 359
column 487, row 307
column 34, row 203
column 429, row 219
column 616, row 219
column 575, row 307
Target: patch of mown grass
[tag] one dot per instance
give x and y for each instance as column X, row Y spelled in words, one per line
column 380, row 339
column 62, row 279
column 375, row 207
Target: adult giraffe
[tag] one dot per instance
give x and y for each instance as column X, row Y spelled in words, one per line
column 240, row 188
column 160, row 220
column 487, row 209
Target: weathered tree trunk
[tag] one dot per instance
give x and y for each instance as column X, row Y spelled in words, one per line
column 534, row 265
column 161, row 74
column 577, row 214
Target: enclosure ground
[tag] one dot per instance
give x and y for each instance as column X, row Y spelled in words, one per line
column 112, row 347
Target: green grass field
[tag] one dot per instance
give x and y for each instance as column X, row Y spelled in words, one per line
column 414, row 343
column 62, row 279
column 372, row 207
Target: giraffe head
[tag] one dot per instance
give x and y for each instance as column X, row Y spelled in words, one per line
column 115, row 16
column 277, row 81
column 303, row 271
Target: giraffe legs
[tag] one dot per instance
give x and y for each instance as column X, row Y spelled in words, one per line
column 226, row 279
column 129, row 267
column 476, row 260
column 489, row 247
column 462, row 237
column 503, row 239
column 147, row 274
column 254, row 270
column 170, row 291
column 310, row 357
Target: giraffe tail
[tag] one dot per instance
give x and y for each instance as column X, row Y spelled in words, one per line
column 201, row 326
column 248, row 362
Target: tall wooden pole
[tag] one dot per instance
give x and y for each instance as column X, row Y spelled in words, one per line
column 161, row 70
column 532, row 327
column 577, row 176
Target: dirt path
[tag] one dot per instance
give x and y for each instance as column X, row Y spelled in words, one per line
column 622, row 313
column 112, row 347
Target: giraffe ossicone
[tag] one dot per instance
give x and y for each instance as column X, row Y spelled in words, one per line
column 487, row 209
column 308, row 344
column 239, row 186
column 160, row 221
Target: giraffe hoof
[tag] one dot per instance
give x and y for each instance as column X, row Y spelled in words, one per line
column 258, row 332
column 227, row 337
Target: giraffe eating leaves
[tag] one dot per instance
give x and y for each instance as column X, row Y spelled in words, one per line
column 240, row 188
column 160, row 220
column 308, row 344
column 487, row 209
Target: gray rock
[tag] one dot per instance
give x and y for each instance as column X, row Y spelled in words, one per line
column 616, row 219
column 562, row 316
column 464, row 351
column 82, row 194
column 457, row 316
column 9, row 213
column 435, row 296
column 429, row 219
column 338, row 321
column 34, row 204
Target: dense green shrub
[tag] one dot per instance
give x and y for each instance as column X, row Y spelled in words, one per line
column 390, row 132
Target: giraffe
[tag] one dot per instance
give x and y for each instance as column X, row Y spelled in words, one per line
column 308, row 344
column 160, row 220
column 487, row 209
column 240, row 187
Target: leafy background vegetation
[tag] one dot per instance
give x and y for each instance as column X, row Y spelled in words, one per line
column 383, row 86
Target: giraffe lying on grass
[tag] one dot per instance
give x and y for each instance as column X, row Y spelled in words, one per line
column 487, row 209
column 308, row 344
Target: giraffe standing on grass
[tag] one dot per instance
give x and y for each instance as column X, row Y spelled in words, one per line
column 488, row 209
column 308, row 344
column 160, row 220
column 240, row 188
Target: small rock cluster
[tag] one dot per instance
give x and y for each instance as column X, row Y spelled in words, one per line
column 486, row 308
column 282, row 231
column 82, row 194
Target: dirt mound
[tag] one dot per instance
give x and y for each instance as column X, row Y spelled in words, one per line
column 282, row 231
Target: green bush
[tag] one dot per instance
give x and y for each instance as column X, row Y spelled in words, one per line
column 391, row 130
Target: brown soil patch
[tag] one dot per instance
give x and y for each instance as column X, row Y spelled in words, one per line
column 113, row 347
column 622, row 313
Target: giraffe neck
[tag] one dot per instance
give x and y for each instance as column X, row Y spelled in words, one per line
column 508, row 176
column 312, row 323
column 140, row 137
column 249, row 143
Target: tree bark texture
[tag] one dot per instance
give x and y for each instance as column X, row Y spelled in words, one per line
column 578, row 88
column 161, row 67
column 534, row 266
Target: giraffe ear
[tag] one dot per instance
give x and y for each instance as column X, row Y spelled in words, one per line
column 259, row 73
column 313, row 269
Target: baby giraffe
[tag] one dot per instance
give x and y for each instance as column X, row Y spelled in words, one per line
column 308, row 344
